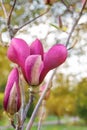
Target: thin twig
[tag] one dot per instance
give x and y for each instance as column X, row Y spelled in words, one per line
column 12, row 123
column 10, row 14
column 40, row 122
column 27, row 107
column 10, row 29
column 18, row 124
column 75, row 24
column 30, row 123
column 41, row 115
column 22, row 99
column 26, row 111
column 28, row 22
column 64, row 3
column 4, row 9
column 73, row 45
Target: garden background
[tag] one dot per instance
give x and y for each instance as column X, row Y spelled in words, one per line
column 66, row 107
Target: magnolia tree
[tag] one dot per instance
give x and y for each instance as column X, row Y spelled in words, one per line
column 32, row 63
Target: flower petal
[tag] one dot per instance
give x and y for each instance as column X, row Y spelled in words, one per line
column 33, row 68
column 18, row 51
column 53, row 58
column 36, row 48
column 14, row 101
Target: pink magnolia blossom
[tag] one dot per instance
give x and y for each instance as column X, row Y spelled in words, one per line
column 35, row 64
column 18, row 51
column 12, row 96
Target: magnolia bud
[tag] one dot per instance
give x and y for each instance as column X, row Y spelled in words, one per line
column 12, row 96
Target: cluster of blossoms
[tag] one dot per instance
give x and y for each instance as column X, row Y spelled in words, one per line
column 34, row 63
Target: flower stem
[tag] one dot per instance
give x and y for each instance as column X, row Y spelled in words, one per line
column 30, row 123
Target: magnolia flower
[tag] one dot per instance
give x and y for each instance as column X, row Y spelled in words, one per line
column 35, row 64
column 12, row 96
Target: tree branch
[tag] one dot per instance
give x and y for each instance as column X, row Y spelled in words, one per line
column 10, row 14
column 75, row 24
column 73, row 45
column 63, row 1
column 41, row 115
column 28, row 22
column 30, row 123
column 10, row 29
column 12, row 123
column 27, row 107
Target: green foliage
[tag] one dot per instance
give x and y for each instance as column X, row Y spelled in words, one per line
column 63, row 28
column 81, row 98
column 30, row 110
column 1, row 100
column 57, row 127
column 4, row 67
column 61, row 127
column 65, row 99
column 62, row 99
column 1, row 104
column 61, row 104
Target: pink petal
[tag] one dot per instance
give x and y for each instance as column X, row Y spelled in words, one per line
column 14, row 101
column 18, row 51
column 12, row 78
column 33, row 68
column 36, row 48
column 53, row 58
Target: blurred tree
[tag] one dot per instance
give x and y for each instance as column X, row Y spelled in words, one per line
column 4, row 67
column 81, row 99
column 1, row 105
column 62, row 98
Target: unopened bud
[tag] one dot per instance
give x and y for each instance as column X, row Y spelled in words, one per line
column 12, row 96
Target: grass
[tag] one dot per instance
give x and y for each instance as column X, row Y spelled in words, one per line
column 48, row 127
column 56, row 127
column 61, row 127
